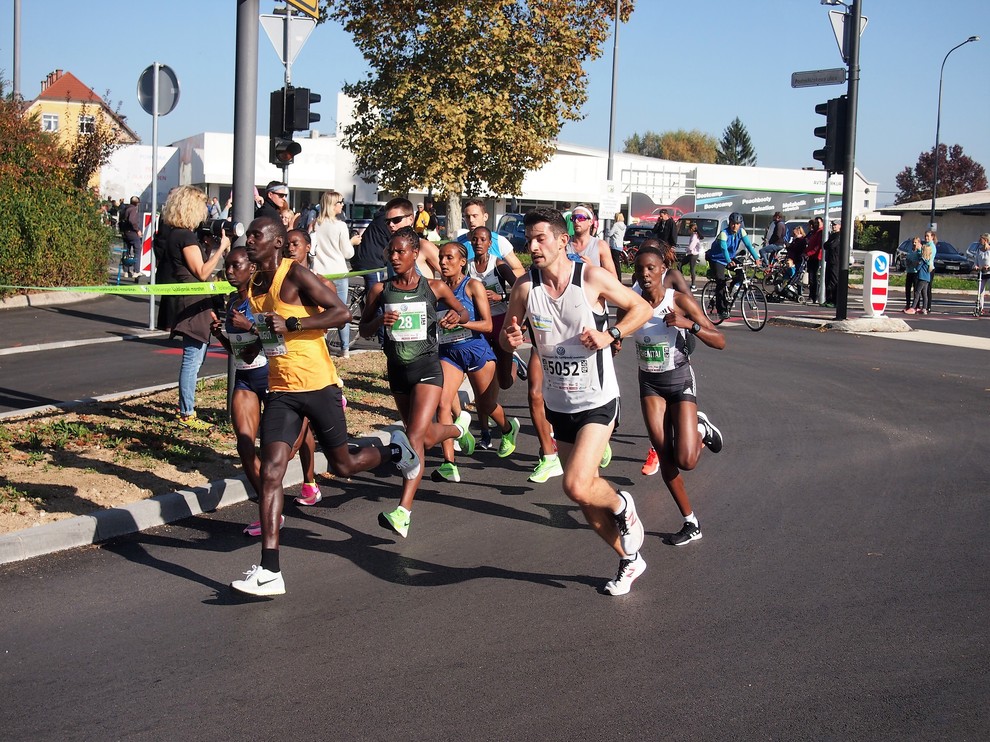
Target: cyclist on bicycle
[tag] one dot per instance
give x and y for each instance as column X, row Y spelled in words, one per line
column 726, row 247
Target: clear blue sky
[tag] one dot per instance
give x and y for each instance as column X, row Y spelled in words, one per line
column 674, row 72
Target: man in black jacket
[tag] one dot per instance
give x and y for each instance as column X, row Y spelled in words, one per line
column 665, row 229
column 276, row 198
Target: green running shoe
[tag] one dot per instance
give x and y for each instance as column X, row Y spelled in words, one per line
column 465, row 440
column 546, row 468
column 447, row 471
column 606, row 457
column 397, row 520
column 508, row 444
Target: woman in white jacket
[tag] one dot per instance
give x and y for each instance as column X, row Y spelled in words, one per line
column 332, row 249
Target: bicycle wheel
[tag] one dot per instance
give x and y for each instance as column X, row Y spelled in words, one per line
column 754, row 308
column 708, row 305
column 771, row 279
column 355, row 302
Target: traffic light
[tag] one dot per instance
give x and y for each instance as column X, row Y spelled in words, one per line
column 281, row 149
column 833, row 154
column 297, row 114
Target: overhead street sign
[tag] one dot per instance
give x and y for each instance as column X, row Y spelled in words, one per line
column 814, row 78
column 309, row 7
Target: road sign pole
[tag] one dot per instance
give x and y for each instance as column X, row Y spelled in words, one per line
column 849, row 174
column 154, row 187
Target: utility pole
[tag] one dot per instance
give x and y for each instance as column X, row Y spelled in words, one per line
column 853, row 22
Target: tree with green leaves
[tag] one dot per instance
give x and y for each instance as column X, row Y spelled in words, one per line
column 679, row 146
column 470, row 97
column 51, row 233
column 735, row 147
column 957, row 173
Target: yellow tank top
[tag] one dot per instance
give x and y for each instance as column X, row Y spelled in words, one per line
column 304, row 363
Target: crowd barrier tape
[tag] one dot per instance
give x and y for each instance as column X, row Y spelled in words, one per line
column 204, row 288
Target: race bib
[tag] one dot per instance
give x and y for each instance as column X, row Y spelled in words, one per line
column 454, row 335
column 653, row 356
column 498, row 307
column 567, row 374
column 411, row 324
column 271, row 342
column 239, row 343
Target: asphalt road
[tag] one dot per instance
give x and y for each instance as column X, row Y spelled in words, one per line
column 839, row 592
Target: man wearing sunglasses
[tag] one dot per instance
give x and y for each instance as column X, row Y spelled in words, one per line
column 399, row 214
column 585, row 246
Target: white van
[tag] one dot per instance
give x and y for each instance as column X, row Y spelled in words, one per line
column 710, row 223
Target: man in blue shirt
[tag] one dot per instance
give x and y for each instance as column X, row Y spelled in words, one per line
column 723, row 252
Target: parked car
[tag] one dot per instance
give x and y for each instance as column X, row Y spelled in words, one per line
column 947, row 258
column 511, row 227
column 636, row 234
column 710, row 223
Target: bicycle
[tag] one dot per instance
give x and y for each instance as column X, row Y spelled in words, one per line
column 752, row 299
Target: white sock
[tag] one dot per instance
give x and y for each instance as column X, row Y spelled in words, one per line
column 622, row 504
column 691, row 518
column 407, row 512
column 702, row 430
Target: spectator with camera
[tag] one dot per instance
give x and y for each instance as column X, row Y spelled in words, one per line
column 192, row 261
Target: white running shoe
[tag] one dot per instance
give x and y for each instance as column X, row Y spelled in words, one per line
column 631, row 532
column 408, row 462
column 259, row 581
column 629, row 570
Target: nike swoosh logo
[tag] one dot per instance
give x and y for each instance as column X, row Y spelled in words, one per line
column 265, row 582
column 427, row 378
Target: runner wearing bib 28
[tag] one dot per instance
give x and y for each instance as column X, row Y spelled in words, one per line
column 407, row 303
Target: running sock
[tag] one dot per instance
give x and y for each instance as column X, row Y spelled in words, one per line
column 404, row 510
column 691, row 518
column 702, row 429
column 310, row 484
column 622, row 504
column 269, row 560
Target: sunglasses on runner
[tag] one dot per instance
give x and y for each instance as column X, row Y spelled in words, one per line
column 581, row 218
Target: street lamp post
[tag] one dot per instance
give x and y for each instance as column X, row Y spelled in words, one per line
column 938, row 126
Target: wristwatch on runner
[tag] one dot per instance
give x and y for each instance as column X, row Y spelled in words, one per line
column 292, row 324
column 695, row 329
column 615, row 333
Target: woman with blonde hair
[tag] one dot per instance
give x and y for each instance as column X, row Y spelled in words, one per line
column 616, row 237
column 331, row 250
column 191, row 262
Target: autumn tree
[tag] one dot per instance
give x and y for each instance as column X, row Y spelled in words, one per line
column 957, row 173
column 90, row 150
column 679, row 146
column 735, row 146
column 469, row 98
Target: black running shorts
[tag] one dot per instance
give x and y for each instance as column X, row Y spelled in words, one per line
column 402, row 377
column 284, row 413
column 567, row 424
column 676, row 385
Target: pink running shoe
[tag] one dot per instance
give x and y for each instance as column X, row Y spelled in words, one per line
column 652, row 465
column 309, row 495
column 255, row 528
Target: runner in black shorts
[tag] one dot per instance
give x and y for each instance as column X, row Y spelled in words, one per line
column 293, row 310
column 564, row 303
column 409, row 314
column 667, row 389
column 250, row 393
